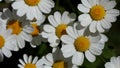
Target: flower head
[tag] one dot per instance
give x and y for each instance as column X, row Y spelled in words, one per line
column 98, row 14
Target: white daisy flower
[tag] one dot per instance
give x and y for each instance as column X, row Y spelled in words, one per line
column 6, row 43
column 29, row 63
column 33, row 8
column 77, row 45
column 56, row 60
column 19, row 25
column 98, row 14
column 114, row 63
column 36, row 33
column 56, row 28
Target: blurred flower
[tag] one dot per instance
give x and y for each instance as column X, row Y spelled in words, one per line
column 33, row 8
column 56, row 28
column 29, row 63
column 6, row 43
column 57, row 60
column 98, row 14
column 36, row 33
column 114, row 63
column 76, row 44
column 20, row 27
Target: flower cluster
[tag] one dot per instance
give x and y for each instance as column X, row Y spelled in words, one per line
column 72, row 41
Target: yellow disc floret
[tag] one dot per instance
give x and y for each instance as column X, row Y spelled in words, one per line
column 32, row 2
column 82, row 44
column 61, row 30
column 15, row 26
column 29, row 65
column 2, row 41
column 97, row 12
column 36, row 30
column 59, row 64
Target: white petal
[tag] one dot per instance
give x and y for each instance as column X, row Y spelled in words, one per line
column 78, row 58
column 86, row 3
column 45, row 35
column 20, row 66
column 6, row 52
column 49, row 57
column 113, row 11
column 99, row 27
column 110, row 5
column 85, row 19
column 52, row 21
column 83, row 8
column 57, row 17
column 28, row 29
column 109, row 65
column 26, row 36
column 105, row 24
column 22, row 62
column 70, row 32
column 67, row 39
column 68, row 50
column 90, row 56
column 94, row 39
column 66, row 18
column 92, row 27
column 49, row 28
column 44, row 8
column 103, row 38
column 21, row 42
column 95, row 51
column 35, row 60
column 110, row 18
column 92, row 2
column 25, row 57
column 30, row 59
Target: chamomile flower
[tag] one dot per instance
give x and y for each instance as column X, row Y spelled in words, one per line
column 56, row 28
column 77, row 45
column 29, row 63
column 114, row 63
column 56, row 60
column 33, row 8
column 98, row 14
column 19, row 25
column 6, row 43
column 36, row 33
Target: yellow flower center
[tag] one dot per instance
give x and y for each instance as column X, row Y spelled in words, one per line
column 36, row 30
column 15, row 26
column 59, row 64
column 32, row 2
column 2, row 41
column 82, row 43
column 29, row 65
column 61, row 30
column 97, row 12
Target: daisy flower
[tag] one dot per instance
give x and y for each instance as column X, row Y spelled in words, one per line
column 114, row 63
column 20, row 27
column 36, row 33
column 56, row 28
column 29, row 63
column 56, row 60
column 6, row 43
column 77, row 45
column 33, row 8
column 98, row 14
